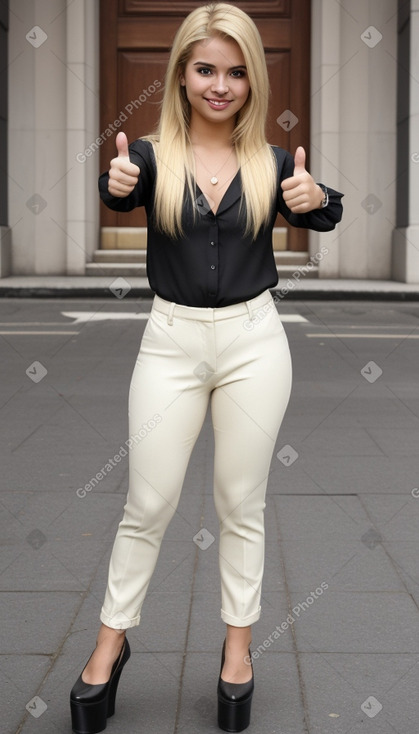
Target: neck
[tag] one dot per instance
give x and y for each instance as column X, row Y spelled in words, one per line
column 209, row 134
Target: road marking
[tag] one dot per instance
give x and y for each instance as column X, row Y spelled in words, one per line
column 34, row 323
column 82, row 317
column 364, row 336
column 292, row 318
column 370, row 326
column 38, row 333
column 85, row 316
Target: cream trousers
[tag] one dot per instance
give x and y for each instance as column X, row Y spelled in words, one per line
column 237, row 358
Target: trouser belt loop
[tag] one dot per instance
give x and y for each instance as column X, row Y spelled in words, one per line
column 249, row 308
column 170, row 314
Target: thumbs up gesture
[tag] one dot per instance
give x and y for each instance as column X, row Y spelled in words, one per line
column 300, row 192
column 123, row 175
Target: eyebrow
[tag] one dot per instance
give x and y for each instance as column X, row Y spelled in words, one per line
column 212, row 66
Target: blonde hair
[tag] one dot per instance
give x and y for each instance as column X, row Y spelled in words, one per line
column 171, row 141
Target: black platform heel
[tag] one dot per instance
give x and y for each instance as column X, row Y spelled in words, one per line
column 234, row 701
column 91, row 705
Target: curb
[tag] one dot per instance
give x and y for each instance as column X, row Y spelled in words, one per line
column 139, row 292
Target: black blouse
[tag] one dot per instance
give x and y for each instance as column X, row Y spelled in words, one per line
column 213, row 264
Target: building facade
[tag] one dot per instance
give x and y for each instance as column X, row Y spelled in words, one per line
column 363, row 138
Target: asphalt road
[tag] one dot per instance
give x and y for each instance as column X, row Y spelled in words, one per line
column 341, row 584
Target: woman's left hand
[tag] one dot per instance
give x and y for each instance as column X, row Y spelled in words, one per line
column 300, row 192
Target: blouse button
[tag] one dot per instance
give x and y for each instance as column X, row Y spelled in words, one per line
column 212, row 243
column 212, row 267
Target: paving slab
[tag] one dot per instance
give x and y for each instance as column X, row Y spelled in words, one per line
column 20, row 676
column 206, row 624
column 404, row 556
column 340, row 517
column 369, row 622
column 361, row 692
column 146, row 701
column 164, row 620
column 276, row 706
column 395, row 517
column 342, row 513
column 359, row 411
column 56, row 566
column 34, row 623
column 345, row 565
column 403, row 443
column 362, row 475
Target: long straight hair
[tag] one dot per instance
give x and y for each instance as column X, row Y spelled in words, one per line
column 171, row 139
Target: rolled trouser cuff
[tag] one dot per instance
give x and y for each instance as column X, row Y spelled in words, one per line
column 119, row 621
column 240, row 622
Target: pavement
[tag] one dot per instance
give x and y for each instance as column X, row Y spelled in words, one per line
column 296, row 286
column 337, row 644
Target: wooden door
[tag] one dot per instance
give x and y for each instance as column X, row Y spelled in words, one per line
column 136, row 37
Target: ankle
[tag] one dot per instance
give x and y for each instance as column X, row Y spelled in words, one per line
column 238, row 642
column 110, row 636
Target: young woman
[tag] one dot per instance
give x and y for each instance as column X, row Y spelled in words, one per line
column 212, row 187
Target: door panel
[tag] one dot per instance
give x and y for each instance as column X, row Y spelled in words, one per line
column 136, row 37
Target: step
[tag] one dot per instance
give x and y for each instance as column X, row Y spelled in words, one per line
column 285, row 257
column 133, row 263
column 119, row 256
column 138, row 270
column 135, row 238
column 286, row 271
column 289, row 257
column 135, row 270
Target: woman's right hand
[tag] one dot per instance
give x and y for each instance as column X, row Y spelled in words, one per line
column 123, row 175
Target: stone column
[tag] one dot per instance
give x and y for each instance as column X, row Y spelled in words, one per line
column 354, row 63
column 37, row 136
column 82, row 81
column 405, row 261
column 325, row 105
column 53, row 115
column 5, row 239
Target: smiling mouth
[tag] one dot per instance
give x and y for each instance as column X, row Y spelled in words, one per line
column 218, row 101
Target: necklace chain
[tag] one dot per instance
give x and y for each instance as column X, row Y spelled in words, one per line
column 214, row 179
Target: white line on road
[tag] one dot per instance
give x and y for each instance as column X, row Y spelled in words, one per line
column 38, row 333
column 81, row 317
column 292, row 318
column 34, row 323
column 84, row 316
column 364, row 336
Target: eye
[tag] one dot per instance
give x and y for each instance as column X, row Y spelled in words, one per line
column 237, row 73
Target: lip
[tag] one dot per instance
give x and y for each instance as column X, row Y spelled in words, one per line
column 216, row 106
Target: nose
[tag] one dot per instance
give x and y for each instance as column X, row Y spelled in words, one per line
column 220, row 85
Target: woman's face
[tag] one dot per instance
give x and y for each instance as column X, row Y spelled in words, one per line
column 215, row 79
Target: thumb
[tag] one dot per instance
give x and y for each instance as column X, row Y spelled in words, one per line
column 299, row 161
column 122, row 145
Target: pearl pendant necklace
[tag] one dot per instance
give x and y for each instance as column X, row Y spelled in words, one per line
column 214, row 179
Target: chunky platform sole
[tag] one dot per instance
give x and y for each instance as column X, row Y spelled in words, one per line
column 234, row 701
column 234, row 716
column 90, row 717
